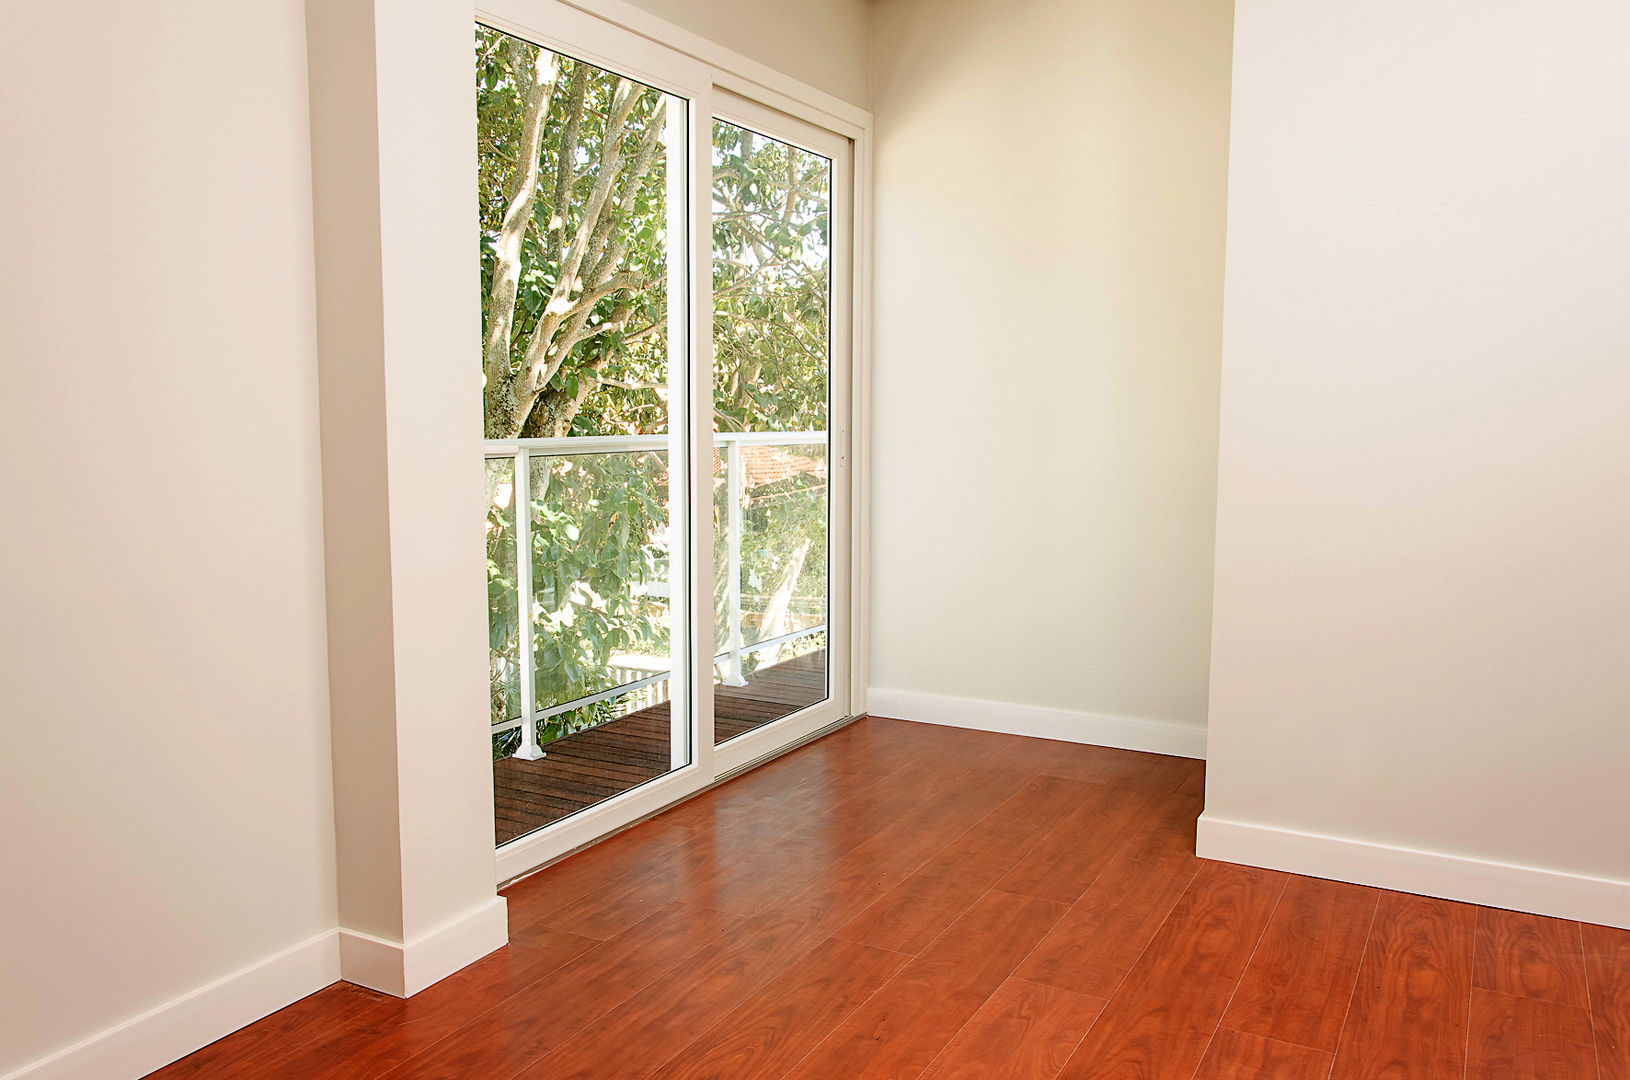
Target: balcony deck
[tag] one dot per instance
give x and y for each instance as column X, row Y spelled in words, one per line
column 590, row 766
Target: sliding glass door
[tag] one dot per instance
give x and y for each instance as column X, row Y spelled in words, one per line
column 778, row 266
column 666, row 471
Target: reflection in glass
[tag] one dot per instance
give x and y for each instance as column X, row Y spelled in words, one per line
column 503, row 614
column 600, row 583
column 771, row 331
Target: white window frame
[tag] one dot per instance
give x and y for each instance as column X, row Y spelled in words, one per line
column 717, row 81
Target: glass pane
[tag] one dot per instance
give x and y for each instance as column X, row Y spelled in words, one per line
column 600, row 583
column 503, row 626
column 771, row 335
column 581, row 220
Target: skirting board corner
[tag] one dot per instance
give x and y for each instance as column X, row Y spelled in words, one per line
column 1037, row 721
column 402, row 970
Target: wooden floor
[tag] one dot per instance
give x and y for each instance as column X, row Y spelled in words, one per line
column 591, row 766
column 897, row 900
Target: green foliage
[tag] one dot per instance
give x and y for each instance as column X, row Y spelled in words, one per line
column 770, row 283
column 599, row 521
column 599, row 571
column 634, row 223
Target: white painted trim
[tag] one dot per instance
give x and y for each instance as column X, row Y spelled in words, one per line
column 860, row 439
column 735, row 71
column 1039, row 721
column 403, row 970
column 197, row 1018
column 1428, row 873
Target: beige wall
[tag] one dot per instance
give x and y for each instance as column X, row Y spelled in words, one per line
column 165, row 803
column 1049, row 249
column 822, row 42
column 1423, row 597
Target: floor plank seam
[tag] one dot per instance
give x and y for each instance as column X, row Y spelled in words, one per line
column 1010, row 974
column 745, row 999
column 500, row 1007
column 1198, row 1065
column 1110, row 999
column 1358, row 974
column 1471, row 988
column 796, row 888
column 1590, row 1001
column 797, row 1064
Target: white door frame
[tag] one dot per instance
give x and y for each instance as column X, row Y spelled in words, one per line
column 715, row 81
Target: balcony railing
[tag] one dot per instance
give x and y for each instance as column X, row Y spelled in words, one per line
column 643, row 682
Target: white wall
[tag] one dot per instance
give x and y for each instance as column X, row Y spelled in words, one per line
column 1422, row 632
column 165, row 802
column 821, row 42
column 1050, row 185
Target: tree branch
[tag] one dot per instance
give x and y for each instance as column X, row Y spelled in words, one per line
column 536, row 77
column 559, row 304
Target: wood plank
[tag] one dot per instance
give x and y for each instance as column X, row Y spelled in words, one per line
column 331, row 1009
column 739, row 869
column 664, row 1017
column 771, row 851
column 525, row 1026
column 1094, row 764
column 1530, row 956
column 396, row 1029
column 1408, row 1018
column 1194, row 784
column 918, row 827
column 1298, row 984
column 882, row 817
column 1607, row 970
column 913, row 913
column 686, row 851
column 1024, row 1031
column 659, row 1021
column 534, row 898
column 1159, row 1023
column 1235, row 1055
column 1096, row 943
column 1064, row 862
column 1519, row 1038
column 771, row 1031
column 910, row 1020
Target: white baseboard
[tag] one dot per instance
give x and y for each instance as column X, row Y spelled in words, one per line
column 1124, row 733
column 403, row 970
column 1428, row 873
column 195, row 1019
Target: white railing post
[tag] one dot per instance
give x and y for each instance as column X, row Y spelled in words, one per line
column 733, row 526
column 529, row 750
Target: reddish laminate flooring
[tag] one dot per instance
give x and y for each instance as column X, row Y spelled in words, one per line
column 897, row 900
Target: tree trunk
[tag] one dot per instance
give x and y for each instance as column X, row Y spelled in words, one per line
column 502, row 406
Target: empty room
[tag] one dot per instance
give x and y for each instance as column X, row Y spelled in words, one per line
column 815, row 540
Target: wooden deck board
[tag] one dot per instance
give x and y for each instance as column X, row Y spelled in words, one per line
column 591, row 766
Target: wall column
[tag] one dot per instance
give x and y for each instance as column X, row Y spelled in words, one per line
column 398, row 340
